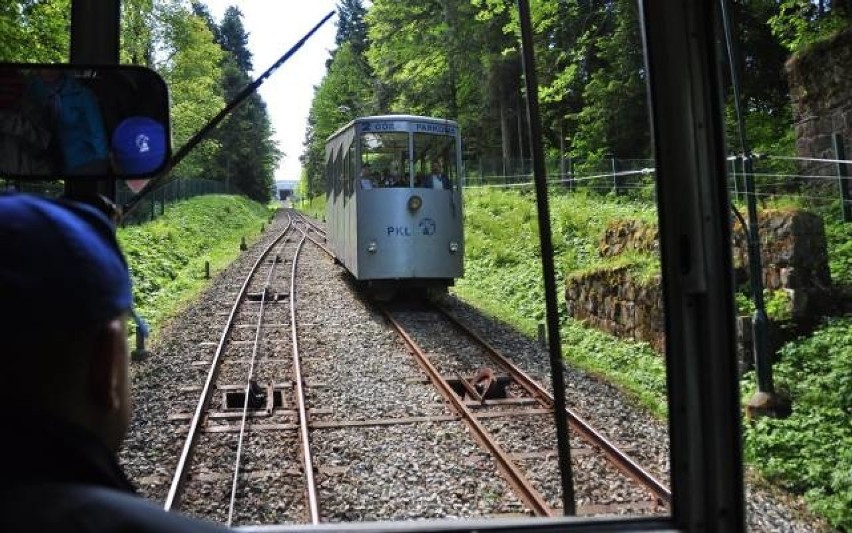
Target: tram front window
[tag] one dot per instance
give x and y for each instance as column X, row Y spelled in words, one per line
column 386, row 153
column 434, row 161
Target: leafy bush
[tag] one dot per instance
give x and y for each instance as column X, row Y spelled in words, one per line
column 839, row 249
column 503, row 275
column 166, row 256
column 811, row 451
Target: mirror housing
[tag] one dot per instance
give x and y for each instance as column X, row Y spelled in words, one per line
column 72, row 122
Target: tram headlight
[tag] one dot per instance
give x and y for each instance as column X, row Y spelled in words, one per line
column 372, row 247
column 414, row 203
column 454, row 247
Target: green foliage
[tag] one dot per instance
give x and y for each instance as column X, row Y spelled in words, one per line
column 313, row 207
column 351, row 26
column 839, row 248
column 778, row 305
column 166, row 257
column 800, row 23
column 35, row 32
column 614, row 115
column 191, row 67
column 503, row 276
column 137, row 38
column 811, row 451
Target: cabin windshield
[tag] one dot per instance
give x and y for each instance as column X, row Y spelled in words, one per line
column 434, row 161
column 384, row 160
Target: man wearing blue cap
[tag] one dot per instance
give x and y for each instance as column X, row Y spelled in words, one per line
column 65, row 299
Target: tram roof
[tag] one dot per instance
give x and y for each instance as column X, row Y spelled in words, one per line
column 411, row 118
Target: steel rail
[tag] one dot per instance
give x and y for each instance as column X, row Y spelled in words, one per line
column 617, row 457
column 311, row 225
column 258, row 329
column 515, row 477
column 316, row 229
column 173, row 497
column 306, row 233
column 307, row 459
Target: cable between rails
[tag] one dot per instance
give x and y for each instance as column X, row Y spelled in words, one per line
column 258, row 329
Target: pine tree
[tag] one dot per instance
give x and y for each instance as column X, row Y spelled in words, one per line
column 351, row 26
column 249, row 155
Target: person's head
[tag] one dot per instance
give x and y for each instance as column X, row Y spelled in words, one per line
column 366, row 170
column 66, row 295
column 437, row 168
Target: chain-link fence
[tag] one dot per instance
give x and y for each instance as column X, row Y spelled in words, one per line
column 154, row 203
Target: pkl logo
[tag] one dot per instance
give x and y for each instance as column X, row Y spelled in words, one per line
column 427, row 226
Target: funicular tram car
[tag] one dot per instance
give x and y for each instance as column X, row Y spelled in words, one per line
column 394, row 203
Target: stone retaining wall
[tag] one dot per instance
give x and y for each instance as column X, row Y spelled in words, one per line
column 794, row 256
column 821, row 89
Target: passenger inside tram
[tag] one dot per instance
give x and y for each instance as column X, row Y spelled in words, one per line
column 393, row 177
column 437, row 179
column 366, row 178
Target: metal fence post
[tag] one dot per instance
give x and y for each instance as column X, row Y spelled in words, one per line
column 842, row 178
column 571, row 184
column 734, row 179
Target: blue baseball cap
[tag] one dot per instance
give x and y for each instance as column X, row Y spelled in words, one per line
column 58, row 258
column 139, row 145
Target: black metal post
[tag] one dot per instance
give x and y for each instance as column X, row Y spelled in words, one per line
column 760, row 321
column 762, row 357
column 842, row 178
column 680, row 41
column 553, row 337
column 94, row 39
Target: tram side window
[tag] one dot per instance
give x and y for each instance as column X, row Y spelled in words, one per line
column 350, row 167
column 338, row 175
column 346, row 176
column 435, row 161
column 329, row 176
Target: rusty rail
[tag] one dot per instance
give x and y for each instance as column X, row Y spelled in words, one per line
column 523, row 487
column 307, row 458
column 619, row 459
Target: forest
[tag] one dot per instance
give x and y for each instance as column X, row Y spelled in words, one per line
column 461, row 60
column 451, row 59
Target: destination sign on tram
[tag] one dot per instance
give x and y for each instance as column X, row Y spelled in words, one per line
column 379, row 126
column 428, row 127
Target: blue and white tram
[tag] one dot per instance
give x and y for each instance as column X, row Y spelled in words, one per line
column 394, row 201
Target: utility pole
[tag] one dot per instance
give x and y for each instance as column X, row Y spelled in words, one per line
column 765, row 401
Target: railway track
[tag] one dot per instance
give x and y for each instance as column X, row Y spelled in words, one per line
column 246, row 446
column 518, row 399
column 514, row 418
column 351, row 427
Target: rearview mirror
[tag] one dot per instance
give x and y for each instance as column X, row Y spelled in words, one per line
column 62, row 121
